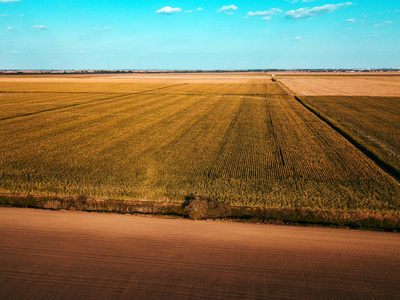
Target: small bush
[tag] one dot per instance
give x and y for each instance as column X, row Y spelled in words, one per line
column 197, row 209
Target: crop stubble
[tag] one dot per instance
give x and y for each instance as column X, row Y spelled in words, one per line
column 243, row 143
column 374, row 120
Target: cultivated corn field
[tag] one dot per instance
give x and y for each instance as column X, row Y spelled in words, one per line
column 242, row 142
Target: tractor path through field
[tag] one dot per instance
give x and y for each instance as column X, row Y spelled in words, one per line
column 54, row 255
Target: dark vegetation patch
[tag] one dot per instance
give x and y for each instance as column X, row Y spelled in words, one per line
column 355, row 139
column 196, row 208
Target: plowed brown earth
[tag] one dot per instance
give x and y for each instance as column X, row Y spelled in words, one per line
column 344, row 85
column 72, row 255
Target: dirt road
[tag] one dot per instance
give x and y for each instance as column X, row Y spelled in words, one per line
column 76, row 255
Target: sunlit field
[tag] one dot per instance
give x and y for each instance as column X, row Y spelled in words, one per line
column 241, row 140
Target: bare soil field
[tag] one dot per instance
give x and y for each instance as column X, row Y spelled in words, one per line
column 70, row 255
column 343, row 85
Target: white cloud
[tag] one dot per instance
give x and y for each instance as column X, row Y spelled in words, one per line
column 10, row 28
column 384, row 23
column 191, row 11
column 228, row 9
column 351, row 20
column 267, row 18
column 298, row 38
column 10, row 0
column 39, row 27
column 169, row 10
column 303, row 13
column 269, row 12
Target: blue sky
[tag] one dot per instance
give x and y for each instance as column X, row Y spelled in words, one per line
column 202, row 34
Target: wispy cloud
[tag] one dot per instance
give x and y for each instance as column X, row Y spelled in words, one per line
column 269, row 12
column 228, row 9
column 39, row 27
column 168, row 10
column 10, row 0
column 10, row 28
column 298, row 38
column 191, row 10
column 304, row 13
column 351, row 20
column 384, row 23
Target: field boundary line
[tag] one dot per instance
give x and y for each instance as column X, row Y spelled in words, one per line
column 383, row 221
column 383, row 165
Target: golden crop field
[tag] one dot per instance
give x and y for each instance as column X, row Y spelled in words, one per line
column 241, row 140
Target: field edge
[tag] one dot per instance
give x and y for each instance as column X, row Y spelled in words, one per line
column 279, row 216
